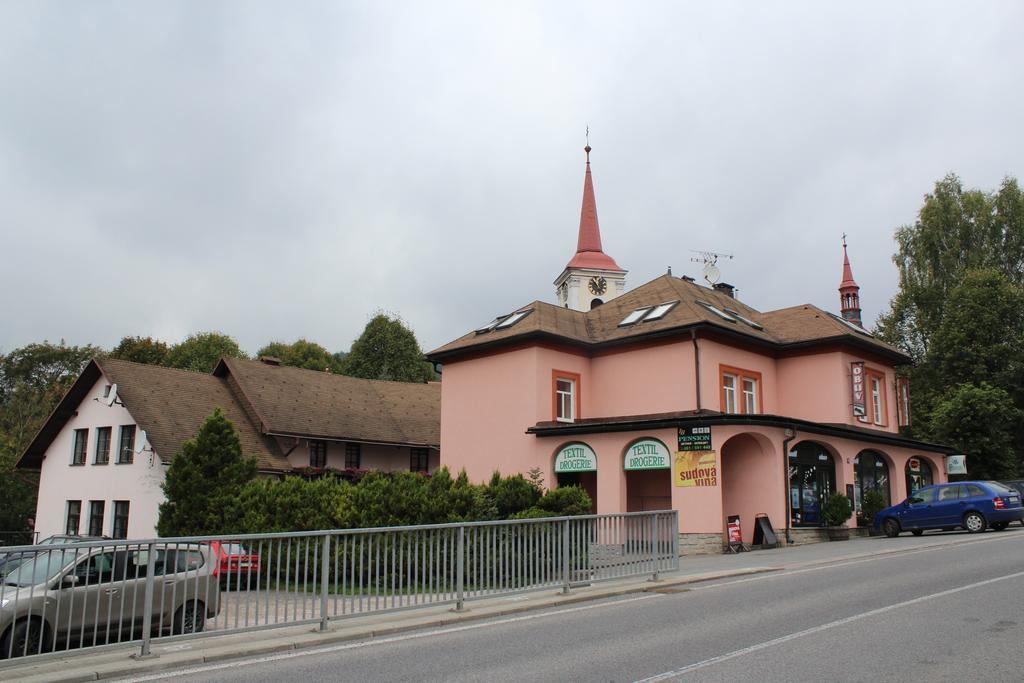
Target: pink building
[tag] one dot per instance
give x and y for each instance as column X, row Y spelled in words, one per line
column 677, row 395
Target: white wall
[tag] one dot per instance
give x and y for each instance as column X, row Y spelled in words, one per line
column 60, row 481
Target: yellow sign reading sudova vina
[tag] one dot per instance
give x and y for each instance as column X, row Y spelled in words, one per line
column 695, row 468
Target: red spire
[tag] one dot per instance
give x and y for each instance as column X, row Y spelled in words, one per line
column 848, row 280
column 588, row 248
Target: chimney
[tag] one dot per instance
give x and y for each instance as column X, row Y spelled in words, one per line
column 726, row 288
column 270, row 360
column 686, row 278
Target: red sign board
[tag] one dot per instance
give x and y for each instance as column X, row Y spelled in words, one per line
column 860, row 405
column 735, row 536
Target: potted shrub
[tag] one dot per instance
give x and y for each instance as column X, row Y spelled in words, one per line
column 836, row 511
column 874, row 502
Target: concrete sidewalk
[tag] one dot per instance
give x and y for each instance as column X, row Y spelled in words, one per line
column 116, row 661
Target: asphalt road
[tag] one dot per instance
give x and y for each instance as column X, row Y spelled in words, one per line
column 948, row 613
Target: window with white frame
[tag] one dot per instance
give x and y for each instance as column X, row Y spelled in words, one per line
column 81, row 445
column 120, row 529
column 353, row 455
column 102, row 446
column 728, row 393
column 317, row 454
column 126, row 445
column 96, row 508
column 876, row 399
column 749, row 395
column 74, row 517
column 565, row 399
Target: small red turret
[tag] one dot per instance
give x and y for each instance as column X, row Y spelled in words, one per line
column 849, row 292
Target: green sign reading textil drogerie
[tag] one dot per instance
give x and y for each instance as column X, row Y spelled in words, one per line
column 576, row 457
column 647, row 454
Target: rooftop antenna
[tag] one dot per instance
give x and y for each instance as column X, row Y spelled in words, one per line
column 710, row 261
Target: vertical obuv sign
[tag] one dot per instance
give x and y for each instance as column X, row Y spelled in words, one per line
column 860, row 405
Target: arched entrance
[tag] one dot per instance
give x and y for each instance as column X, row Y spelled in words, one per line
column 647, row 464
column 870, row 473
column 919, row 474
column 576, row 465
column 812, row 479
column 750, row 478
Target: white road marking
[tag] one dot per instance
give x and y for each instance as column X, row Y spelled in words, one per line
column 782, row 572
column 304, row 652
column 676, row 673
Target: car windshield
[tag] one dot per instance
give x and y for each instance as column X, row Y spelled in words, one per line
column 40, row 568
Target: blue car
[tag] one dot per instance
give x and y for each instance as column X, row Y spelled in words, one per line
column 973, row 505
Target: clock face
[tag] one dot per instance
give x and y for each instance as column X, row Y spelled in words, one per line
column 597, row 285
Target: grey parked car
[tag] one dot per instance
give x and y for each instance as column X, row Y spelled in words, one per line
column 74, row 596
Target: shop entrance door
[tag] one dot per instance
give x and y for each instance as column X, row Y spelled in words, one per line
column 811, row 481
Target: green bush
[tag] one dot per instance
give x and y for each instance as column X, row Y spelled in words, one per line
column 511, row 495
column 295, row 504
column 565, row 501
column 874, row 502
column 837, row 510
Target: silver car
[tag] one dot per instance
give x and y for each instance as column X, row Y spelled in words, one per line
column 67, row 597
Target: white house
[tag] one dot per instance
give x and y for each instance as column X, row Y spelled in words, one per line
column 102, row 461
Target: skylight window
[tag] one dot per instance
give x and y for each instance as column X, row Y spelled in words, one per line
column 739, row 316
column 635, row 316
column 513, row 319
column 855, row 328
column 490, row 326
column 720, row 313
column 659, row 311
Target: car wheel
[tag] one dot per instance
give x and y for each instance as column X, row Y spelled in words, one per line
column 190, row 617
column 25, row 637
column 999, row 526
column 974, row 522
column 917, row 532
column 891, row 528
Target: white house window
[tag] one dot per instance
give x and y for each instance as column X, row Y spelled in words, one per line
column 126, row 445
column 102, row 446
column 728, row 393
column 81, row 445
column 120, row 529
column 74, row 517
column 749, row 395
column 96, row 517
column 353, row 454
column 565, row 399
column 419, row 460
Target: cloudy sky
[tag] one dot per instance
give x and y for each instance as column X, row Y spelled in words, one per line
column 277, row 170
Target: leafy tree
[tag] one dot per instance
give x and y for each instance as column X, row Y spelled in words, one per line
column 387, row 349
column 204, row 480
column 141, row 350
column 303, row 354
column 33, row 379
column 982, row 421
column 956, row 230
column 200, row 352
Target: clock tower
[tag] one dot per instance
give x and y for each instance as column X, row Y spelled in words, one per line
column 591, row 277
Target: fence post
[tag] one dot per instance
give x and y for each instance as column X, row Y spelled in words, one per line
column 654, row 546
column 460, row 571
column 675, row 539
column 147, row 609
column 325, row 567
column 565, row 557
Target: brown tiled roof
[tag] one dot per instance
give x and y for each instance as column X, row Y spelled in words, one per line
column 169, row 404
column 798, row 325
column 294, row 401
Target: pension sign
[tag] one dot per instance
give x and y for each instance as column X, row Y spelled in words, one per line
column 576, row 457
column 647, row 454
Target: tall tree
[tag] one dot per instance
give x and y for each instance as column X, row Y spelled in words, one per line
column 33, row 379
column 959, row 313
column 201, row 351
column 204, row 480
column 387, row 349
column 302, row 354
column 956, row 230
column 141, row 350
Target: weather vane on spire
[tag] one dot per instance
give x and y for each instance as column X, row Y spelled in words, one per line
column 844, row 239
column 587, row 148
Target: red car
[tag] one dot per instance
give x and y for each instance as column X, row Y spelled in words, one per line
column 237, row 566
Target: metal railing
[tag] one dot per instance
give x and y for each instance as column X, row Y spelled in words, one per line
column 100, row 593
